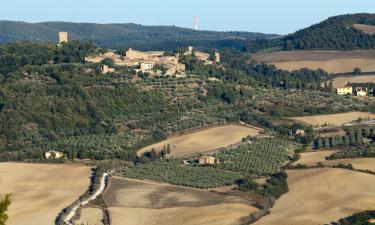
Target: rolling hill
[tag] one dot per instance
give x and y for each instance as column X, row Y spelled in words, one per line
column 126, row 35
column 335, row 33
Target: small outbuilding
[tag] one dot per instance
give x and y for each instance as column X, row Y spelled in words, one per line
column 360, row 91
column 53, row 155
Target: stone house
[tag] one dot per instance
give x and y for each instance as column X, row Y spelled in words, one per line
column 208, row 160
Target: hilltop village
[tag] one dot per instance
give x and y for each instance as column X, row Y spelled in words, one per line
column 156, row 63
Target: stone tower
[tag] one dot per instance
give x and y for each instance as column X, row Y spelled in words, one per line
column 217, row 57
column 63, row 37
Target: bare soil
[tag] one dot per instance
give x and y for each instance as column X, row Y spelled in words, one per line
column 41, row 191
column 90, row 216
column 147, row 203
column 334, row 119
column 321, row 196
column 204, row 140
column 143, row 194
column 330, row 61
column 312, row 158
column 368, row 29
column 223, row 214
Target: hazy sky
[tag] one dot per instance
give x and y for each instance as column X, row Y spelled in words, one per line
column 269, row 16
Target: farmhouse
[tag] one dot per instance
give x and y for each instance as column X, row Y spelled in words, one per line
column 53, row 155
column 208, row 160
column 345, row 90
column 361, row 91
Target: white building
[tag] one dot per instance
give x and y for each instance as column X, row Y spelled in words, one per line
column 53, row 155
column 146, row 66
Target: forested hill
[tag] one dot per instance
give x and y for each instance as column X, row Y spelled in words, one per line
column 335, row 33
column 126, row 35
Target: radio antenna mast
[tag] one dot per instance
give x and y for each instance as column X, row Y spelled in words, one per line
column 196, row 23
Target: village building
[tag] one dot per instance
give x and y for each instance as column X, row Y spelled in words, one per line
column 361, row 91
column 203, row 56
column 208, row 160
column 146, row 66
column 106, row 69
column 118, row 59
column 345, row 90
column 63, row 37
column 133, row 55
column 53, row 155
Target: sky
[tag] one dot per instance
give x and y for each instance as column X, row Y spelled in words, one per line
column 267, row 16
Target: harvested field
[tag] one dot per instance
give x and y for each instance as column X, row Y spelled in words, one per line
column 330, row 61
column 209, row 215
column 334, row 119
column 143, row 194
column 146, row 203
column 321, row 196
column 41, row 191
column 312, row 158
column 339, row 133
column 368, row 29
column 90, row 216
column 204, row 140
column 344, row 80
column 358, row 163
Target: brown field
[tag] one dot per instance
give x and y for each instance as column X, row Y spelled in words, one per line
column 223, row 214
column 342, row 81
column 146, row 203
column 339, row 133
column 41, row 191
column 330, row 61
column 204, row 140
column 312, row 158
column 334, row 119
column 320, row 196
column 90, row 216
column 368, row 29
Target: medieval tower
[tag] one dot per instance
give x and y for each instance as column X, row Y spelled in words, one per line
column 63, row 37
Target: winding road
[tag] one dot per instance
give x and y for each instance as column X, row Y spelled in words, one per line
column 74, row 210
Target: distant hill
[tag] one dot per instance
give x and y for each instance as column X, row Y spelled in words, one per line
column 126, row 35
column 335, row 33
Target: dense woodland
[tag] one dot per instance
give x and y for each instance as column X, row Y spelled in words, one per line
column 335, row 33
column 126, row 35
